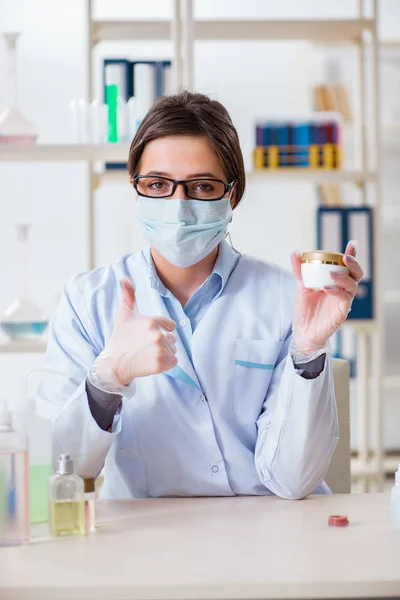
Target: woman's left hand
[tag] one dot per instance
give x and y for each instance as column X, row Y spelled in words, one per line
column 319, row 313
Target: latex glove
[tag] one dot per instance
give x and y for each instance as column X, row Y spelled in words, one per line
column 138, row 346
column 319, row 313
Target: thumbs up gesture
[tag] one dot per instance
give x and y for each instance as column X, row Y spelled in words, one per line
column 138, row 345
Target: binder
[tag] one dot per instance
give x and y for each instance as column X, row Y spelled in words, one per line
column 259, row 135
column 301, row 138
column 117, row 84
column 313, row 144
column 335, row 227
column 314, row 150
column 144, row 86
column 153, row 81
column 283, row 143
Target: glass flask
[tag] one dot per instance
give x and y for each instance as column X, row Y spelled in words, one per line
column 14, row 126
column 23, row 320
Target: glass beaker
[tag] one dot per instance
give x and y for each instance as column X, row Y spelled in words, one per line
column 23, row 320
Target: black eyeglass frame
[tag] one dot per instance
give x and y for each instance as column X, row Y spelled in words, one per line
column 183, row 182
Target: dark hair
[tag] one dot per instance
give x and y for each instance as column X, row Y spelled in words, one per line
column 192, row 114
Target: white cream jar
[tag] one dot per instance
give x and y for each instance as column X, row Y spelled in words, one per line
column 317, row 266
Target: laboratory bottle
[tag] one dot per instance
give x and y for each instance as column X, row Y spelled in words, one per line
column 38, row 430
column 395, row 501
column 79, row 121
column 14, row 482
column 98, row 122
column 67, row 506
column 90, row 505
column 23, row 320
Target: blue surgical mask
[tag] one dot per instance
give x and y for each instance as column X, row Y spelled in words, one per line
column 184, row 231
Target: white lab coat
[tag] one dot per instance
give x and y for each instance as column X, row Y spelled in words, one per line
column 241, row 421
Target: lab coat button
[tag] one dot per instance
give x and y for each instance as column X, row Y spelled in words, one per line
column 183, row 323
column 203, row 398
column 215, row 469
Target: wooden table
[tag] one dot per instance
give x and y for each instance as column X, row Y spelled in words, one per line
column 251, row 547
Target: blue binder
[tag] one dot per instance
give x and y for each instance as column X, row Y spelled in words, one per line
column 301, row 138
column 335, row 227
column 283, row 143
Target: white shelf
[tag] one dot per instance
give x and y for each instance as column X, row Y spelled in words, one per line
column 63, row 152
column 359, row 469
column 390, row 382
column 112, row 176
column 392, row 297
column 391, row 218
column 362, row 325
column 389, row 43
column 314, row 30
column 392, row 127
column 311, row 175
column 23, row 347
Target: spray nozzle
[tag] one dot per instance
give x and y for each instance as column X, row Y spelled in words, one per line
column 65, row 465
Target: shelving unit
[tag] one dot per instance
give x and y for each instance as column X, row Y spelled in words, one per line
column 392, row 297
column 63, row 152
column 184, row 31
column 23, row 347
column 315, row 30
column 313, row 176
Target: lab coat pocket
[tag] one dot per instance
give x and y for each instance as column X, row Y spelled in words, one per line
column 254, row 364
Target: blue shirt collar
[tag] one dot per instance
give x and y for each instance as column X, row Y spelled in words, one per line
column 227, row 260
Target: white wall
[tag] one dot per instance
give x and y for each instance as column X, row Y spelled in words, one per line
column 253, row 80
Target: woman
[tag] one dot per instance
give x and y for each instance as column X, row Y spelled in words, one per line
column 194, row 370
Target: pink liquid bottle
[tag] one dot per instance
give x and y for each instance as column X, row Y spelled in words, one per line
column 14, row 482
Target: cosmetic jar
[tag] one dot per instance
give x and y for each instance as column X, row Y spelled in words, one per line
column 317, row 266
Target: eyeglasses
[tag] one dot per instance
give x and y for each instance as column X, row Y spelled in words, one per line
column 196, row 189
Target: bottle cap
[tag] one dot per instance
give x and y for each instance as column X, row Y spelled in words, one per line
column 5, row 415
column 65, row 465
column 338, row 521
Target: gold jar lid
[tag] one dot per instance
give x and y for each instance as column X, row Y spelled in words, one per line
column 322, row 257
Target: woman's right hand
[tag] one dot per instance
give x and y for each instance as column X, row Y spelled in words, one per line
column 138, row 345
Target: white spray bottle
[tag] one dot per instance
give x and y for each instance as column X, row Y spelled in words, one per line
column 39, row 432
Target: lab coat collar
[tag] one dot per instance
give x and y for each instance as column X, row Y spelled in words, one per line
column 224, row 265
